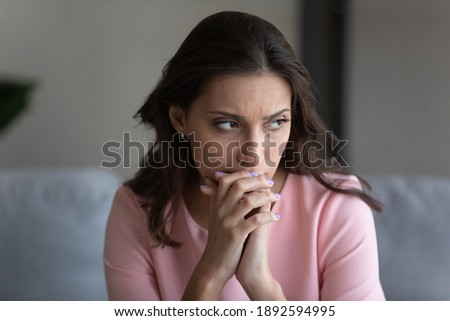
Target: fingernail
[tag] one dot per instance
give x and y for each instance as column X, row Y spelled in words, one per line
column 277, row 216
column 277, row 196
column 252, row 173
column 220, row 174
column 269, row 181
column 204, row 186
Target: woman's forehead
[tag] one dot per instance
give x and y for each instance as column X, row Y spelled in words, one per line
column 246, row 94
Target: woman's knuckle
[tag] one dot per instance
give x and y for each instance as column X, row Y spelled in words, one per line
column 258, row 219
column 248, row 201
column 226, row 223
column 220, row 212
column 239, row 185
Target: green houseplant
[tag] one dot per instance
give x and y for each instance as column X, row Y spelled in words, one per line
column 14, row 98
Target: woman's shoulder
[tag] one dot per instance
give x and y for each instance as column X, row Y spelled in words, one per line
column 317, row 200
column 308, row 184
column 127, row 205
column 126, row 194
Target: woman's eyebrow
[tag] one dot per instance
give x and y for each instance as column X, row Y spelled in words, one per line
column 239, row 117
column 277, row 114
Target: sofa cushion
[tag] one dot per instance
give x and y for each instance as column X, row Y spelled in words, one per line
column 414, row 237
column 52, row 226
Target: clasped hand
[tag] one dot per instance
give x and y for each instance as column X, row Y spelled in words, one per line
column 238, row 230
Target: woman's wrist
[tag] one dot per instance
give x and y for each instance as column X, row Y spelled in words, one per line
column 267, row 289
column 203, row 286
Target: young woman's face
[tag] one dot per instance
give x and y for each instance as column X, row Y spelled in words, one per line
column 239, row 122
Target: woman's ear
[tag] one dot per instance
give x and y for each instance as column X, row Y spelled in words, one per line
column 177, row 118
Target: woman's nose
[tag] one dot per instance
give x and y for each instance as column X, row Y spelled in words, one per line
column 249, row 154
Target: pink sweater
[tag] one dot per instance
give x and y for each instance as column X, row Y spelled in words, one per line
column 323, row 248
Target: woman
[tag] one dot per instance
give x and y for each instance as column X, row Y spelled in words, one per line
column 235, row 201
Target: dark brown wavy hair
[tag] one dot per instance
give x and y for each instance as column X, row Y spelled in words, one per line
column 226, row 43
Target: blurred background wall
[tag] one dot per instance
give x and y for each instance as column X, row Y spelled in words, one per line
column 95, row 61
column 399, row 86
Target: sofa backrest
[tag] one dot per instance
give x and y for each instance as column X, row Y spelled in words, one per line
column 52, row 225
column 414, row 237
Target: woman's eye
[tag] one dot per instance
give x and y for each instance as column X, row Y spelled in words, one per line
column 276, row 124
column 226, row 125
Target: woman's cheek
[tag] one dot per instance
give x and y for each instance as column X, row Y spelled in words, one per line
column 209, row 156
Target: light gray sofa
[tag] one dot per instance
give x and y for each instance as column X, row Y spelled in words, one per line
column 51, row 233
column 413, row 235
column 52, row 227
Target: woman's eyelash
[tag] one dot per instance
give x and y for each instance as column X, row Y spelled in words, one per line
column 221, row 124
column 283, row 120
column 280, row 121
column 230, row 124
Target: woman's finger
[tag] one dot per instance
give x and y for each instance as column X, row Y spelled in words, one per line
column 209, row 188
column 233, row 186
column 249, row 225
column 252, row 201
column 225, row 180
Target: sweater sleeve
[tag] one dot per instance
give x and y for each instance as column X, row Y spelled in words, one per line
column 127, row 257
column 347, row 247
